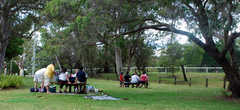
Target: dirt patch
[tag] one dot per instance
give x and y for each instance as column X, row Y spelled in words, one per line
column 9, row 88
column 228, row 98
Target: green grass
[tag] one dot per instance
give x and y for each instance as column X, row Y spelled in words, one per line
column 157, row 97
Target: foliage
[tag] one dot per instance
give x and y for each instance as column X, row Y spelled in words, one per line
column 18, row 19
column 15, row 68
column 193, row 55
column 14, row 48
column 10, row 81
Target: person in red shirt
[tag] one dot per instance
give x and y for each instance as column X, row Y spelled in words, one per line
column 143, row 80
column 121, row 79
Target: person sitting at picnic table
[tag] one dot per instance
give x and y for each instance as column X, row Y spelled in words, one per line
column 81, row 80
column 121, row 79
column 135, row 80
column 44, row 76
column 72, row 80
column 143, row 80
column 63, row 80
column 127, row 79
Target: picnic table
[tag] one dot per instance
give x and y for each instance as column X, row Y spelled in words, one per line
column 70, row 85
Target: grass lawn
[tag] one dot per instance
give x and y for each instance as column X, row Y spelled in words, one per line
column 157, row 97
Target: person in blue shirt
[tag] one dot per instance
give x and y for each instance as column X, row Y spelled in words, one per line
column 81, row 79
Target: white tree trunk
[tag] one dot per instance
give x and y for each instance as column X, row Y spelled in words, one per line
column 118, row 59
column 5, row 71
column 59, row 65
column 21, row 73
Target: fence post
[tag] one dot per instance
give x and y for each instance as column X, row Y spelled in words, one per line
column 159, row 80
column 175, row 80
column 190, row 82
column 206, row 82
column 224, row 83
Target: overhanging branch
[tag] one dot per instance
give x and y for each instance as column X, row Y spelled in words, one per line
column 229, row 42
column 167, row 28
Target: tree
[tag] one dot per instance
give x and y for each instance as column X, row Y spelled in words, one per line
column 211, row 20
column 16, row 18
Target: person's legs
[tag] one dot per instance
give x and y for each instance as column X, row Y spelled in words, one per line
column 47, row 87
column 146, row 85
column 35, row 86
column 42, row 87
column 66, row 86
column 137, row 84
column 141, row 83
column 126, row 84
column 61, row 86
column 46, row 84
column 132, row 85
column 36, row 80
column 82, row 87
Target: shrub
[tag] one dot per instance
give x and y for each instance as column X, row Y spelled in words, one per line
column 7, row 81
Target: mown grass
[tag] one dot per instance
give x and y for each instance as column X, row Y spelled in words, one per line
column 157, row 97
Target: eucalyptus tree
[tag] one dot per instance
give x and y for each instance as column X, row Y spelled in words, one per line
column 16, row 19
column 207, row 21
column 97, row 21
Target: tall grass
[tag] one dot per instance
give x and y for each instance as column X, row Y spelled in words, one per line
column 10, row 81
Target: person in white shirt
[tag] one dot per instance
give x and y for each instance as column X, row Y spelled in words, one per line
column 135, row 80
column 39, row 78
column 63, row 80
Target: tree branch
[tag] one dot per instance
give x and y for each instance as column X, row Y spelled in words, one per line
column 143, row 28
column 229, row 42
column 138, row 19
column 229, row 19
column 168, row 28
column 205, row 3
column 191, row 9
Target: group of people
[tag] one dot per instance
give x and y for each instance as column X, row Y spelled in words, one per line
column 46, row 75
column 77, row 79
column 135, row 80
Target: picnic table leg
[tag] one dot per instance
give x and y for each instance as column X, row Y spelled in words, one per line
column 175, row 80
column 190, row 82
column 206, row 82
column 70, row 88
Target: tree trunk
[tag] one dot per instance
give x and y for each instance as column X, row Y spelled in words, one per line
column 106, row 68
column 59, row 65
column 184, row 74
column 21, row 73
column 232, row 75
column 129, row 64
column 3, row 47
column 118, row 59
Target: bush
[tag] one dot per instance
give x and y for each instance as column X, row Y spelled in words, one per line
column 7, row 81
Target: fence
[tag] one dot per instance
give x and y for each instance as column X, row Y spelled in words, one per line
column 187, row 69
